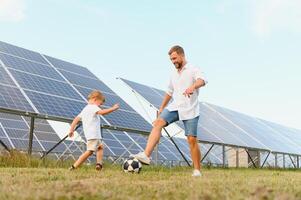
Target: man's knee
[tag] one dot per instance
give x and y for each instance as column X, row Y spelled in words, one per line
column 159, row 123
column 192, row 140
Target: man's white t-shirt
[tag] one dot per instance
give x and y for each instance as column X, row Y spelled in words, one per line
column 91, row 121
column 187, row 107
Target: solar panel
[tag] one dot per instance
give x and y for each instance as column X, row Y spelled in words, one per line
column 58, row 88
column 70, row 67
column 220, row 125
column 45, row 85
column 260, row 131
column 11, row 97
column 21, row 52
column 30, row 66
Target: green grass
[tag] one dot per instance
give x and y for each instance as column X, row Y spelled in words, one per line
column 29, row 178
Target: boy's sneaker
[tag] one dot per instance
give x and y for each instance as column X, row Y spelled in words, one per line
column 196, row 173
column 141, row 157
column 71, row 168
column 98, row 167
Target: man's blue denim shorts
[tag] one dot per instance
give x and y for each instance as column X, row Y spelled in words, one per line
column 190, row 125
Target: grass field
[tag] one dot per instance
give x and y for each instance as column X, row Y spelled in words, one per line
column 25, row 178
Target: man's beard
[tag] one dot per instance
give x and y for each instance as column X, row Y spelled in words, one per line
column 178, row 65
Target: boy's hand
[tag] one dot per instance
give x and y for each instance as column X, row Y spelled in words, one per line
column 115, row 106
column 71, row 133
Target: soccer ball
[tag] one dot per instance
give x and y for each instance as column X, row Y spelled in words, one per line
column 131, row 165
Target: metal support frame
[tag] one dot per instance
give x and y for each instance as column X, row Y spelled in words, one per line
column 254, row 164
column 31, row 135
column 4, row 145
column 207, row 152
column 266, row 158
column 283, row 161
column 34, row 116
column 224, row 156
column 237, row 157
column 57, row 144
column 292, row 161
column 183, row 156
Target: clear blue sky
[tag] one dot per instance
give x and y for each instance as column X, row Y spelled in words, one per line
column 249, row 49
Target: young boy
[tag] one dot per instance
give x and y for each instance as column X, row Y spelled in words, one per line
column 91, row 125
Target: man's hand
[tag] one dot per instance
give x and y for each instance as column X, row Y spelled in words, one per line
column 115, row 106
column 71, row 133
column 189, row 91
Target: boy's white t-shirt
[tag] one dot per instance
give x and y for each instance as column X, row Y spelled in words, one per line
column 91, row 122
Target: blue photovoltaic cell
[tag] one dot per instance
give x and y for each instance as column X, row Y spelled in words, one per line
column 49, row 144
column 57, row 63
column 86, row 82
column 56, row 106
column 31, row 67
column 16, row 124
column 21, row 52
column 4, row 77
column 110, row 99
column 258, row 130
column 23, row 144
column 223, row 129
column 293, row 135
column 11, row 97
column 129, row 120
column 41, row 84
column 142, row 89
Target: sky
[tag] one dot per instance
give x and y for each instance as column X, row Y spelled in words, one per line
column 248, row 49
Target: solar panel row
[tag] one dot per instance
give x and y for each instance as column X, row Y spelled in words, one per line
column 38, row 83
column 224, row 126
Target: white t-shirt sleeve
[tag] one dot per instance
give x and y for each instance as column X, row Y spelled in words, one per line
column 170, row 88
column 95, row 109
column 198, row 74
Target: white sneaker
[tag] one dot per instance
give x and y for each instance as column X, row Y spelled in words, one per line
column 141, row 157
column 196, row 173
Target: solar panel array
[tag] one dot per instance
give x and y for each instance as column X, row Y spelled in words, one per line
column 34, row 82
column 223, row 126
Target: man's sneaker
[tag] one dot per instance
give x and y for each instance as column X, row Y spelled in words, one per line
column 196, row 173
column 141, row 157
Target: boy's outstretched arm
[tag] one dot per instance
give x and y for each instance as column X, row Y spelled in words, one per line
column 73, row 125
column 108, row 110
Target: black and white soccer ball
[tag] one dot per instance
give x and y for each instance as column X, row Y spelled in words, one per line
column 131, row 165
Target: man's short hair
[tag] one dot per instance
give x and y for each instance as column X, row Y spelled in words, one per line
column 95, row 94
column 177, row 49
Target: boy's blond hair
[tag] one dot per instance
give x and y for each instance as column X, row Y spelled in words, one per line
column 95, row 94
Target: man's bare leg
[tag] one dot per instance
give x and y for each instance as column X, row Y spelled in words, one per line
column 154, row 136
column 194, row 151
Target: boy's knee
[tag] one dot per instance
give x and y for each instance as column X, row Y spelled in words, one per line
column 100, row 147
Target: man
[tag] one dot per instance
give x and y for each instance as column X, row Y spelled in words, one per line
column 183, row 87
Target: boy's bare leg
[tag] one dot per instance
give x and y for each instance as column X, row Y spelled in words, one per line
column 195, row 152
column 154, row 136
column 99, row 154
column 82, row 158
